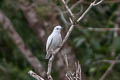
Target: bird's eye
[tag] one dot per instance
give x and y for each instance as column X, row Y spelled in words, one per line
column 57, row 28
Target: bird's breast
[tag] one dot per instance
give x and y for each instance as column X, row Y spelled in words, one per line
column 56, row 41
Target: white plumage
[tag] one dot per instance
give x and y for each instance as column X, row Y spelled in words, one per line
column 53, row 41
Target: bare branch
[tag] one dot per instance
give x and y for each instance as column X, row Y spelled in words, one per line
column 77, row 3
column 91, row 5
column 66, row 60
column 78, row 72
column 64, row 55
column 74, row 75
column 98, row 2
column 108, row 70
column 105, row 2
column 62, row 17
column 74, row 6
column 50, row 67
column 99, row 29
column 71, row 20
column 33, row 74
column 69, row 10
column 66, row 37
column 69, row 75
column 72, row 26
column 106, row 61
column 102, row 29
column 79, row 67
column 113, row 63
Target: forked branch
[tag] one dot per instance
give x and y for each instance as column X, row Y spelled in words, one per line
column 73, row 22
column 91, row 5
column 69, row 32
column 33, row 74
column 76, row 75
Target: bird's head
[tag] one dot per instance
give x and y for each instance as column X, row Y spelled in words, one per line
column 58, row 29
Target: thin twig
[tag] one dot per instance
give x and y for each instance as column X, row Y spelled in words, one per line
column 72, row 27
column 98, row 3
column 66, row 60
column 62, row 17
column 98, row 29
column 66, row 37
column 75, row 75
column 108, row 70
column 77, row 3
column 105, row 2
column 103, row 29
column 50, row 67
column 33, row 74
column 106, row 61
column 113, row 63
column 68, row 8
column 73, row 6
column 91, row 5
column 78, row 72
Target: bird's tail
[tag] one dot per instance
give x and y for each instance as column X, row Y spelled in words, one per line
column 47, row 55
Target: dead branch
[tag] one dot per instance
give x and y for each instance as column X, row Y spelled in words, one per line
column 110, row 68
column 102, row 29
column 105, row 2
column 50, row 67
column 76, row 75
column 38, row 27
column 106, row 61
column 69, row 31
column 107, row 71
column 113, row 63
column 33, row 74
column 76, row 4
column 68, row 9
column 91, row 5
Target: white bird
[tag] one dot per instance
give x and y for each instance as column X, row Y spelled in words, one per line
column 53, row 41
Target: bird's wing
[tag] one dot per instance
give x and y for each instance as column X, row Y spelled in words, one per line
column 49, row 42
